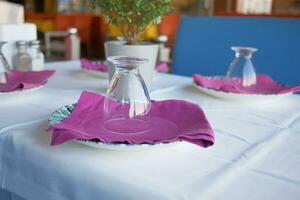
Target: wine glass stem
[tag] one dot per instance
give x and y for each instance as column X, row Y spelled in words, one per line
column 231, row 68
column 5, row 63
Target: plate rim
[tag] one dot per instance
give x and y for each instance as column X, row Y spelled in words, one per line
column 19, row 92
column 95, row 73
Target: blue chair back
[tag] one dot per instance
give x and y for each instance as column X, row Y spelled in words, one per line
column 203, row 45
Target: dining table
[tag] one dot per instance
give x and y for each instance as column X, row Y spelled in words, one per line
column 256, row 153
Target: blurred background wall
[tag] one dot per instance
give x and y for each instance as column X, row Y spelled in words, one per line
column 60, row 15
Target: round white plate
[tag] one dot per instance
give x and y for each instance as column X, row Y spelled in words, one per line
column 19, row 93
column 95, row 73
column 238, row 96
column 60, row 114
column 125, row 147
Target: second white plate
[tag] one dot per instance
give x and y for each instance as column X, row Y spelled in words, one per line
column 19, row 93
column 95, row 73
column 238, row 96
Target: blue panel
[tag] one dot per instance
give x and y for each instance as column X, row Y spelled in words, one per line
column 203, row 45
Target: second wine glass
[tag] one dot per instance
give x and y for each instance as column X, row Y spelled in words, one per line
column 241, row 68
column 5, row 68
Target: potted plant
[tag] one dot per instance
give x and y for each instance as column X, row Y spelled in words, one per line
column 132, row 18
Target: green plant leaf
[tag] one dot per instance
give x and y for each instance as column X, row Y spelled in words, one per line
column 132, row 16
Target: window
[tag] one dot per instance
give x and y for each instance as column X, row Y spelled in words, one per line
column 254, row 6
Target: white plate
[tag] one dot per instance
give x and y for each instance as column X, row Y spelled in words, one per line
column 19, row 93
column 238, row 96
column 95, row 73
column 60, row 114
column 125, row 147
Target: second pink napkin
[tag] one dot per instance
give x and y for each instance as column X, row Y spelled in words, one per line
column 19, row 80
column 265, row 85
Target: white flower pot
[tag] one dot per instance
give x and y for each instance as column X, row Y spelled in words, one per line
column 144, row 50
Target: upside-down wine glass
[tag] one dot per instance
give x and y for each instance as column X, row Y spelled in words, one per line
column 127, row 102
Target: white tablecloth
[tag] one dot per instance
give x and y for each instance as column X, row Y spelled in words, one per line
column 256, row 154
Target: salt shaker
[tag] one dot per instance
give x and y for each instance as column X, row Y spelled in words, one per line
column 37, row 56
column 72, row 45
column 22, row 59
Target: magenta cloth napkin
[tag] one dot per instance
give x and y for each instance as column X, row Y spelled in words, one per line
column 19, row 80
column 87, row 64
column 162, row 67
column 171, row 120
column 265, row 85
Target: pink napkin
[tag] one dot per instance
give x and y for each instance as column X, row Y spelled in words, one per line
column 162, row 67
column 25, row 80
column 171, row 120
column 87, row 64
column 264, row 85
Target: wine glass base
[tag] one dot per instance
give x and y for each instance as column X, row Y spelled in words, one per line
column 122, row 125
